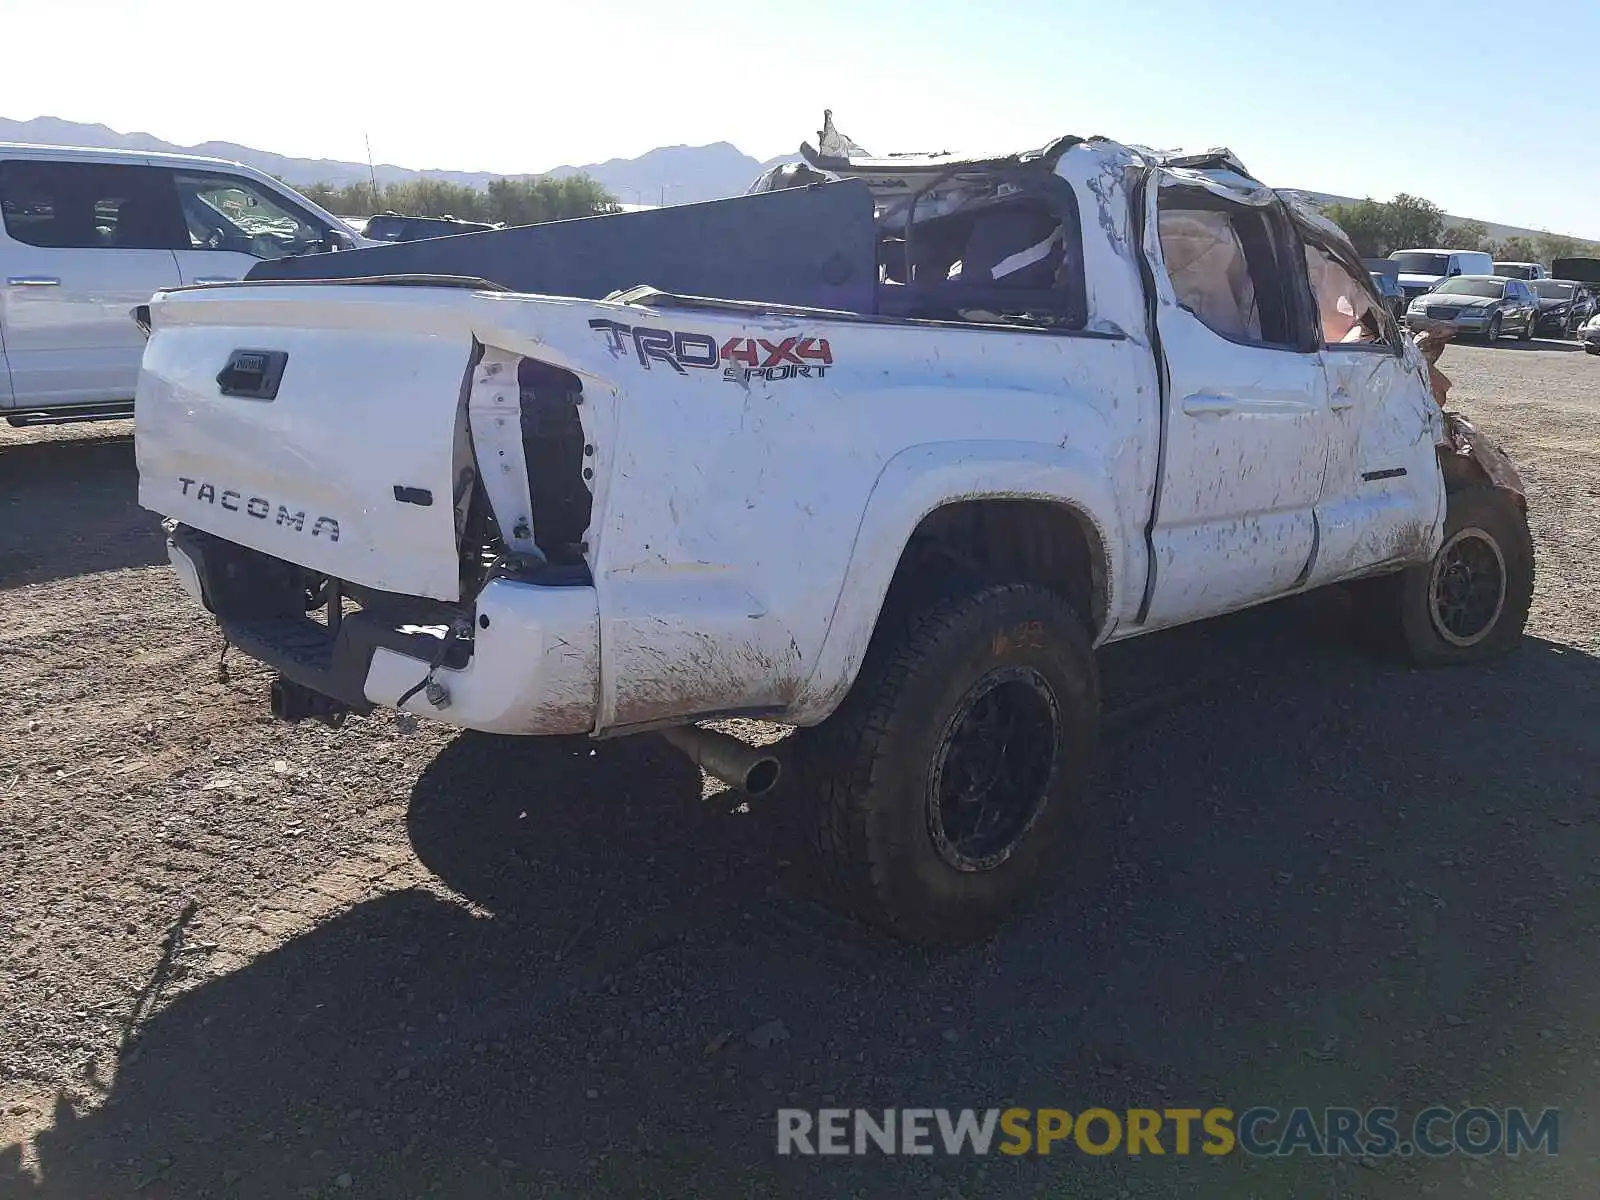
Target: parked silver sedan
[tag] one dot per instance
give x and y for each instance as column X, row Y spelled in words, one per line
column 1485, row 306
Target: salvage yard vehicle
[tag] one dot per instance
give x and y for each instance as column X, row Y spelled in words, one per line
column 1519, row 270
column 1386, row 279
column 1590, row 334
column 886, row 457
column 88, row 234
column 1564, row 305
column 1485, row 306
column 1423, row 270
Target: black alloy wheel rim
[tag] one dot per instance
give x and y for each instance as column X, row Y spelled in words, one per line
column 994, row 770
column 1467, row 588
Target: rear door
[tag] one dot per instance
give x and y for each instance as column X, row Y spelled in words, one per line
column 83, row 243
column 232, row 222
column 1245, row 443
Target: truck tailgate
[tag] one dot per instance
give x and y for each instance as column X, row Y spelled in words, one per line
column 347, row 465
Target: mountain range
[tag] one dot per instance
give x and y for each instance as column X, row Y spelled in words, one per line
column 667, row 174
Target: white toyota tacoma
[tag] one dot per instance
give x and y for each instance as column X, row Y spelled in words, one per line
column 1081, row 394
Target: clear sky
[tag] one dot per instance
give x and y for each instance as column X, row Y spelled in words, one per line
column 1484, row 106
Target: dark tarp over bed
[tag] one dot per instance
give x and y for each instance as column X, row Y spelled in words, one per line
column 813, row 246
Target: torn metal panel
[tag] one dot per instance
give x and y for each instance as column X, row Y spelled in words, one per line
column 494, row 415
column 833, row 144
column 1465, row 451
column 1469, row 443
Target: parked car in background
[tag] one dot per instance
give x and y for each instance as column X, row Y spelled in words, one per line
column 87, row 235
column 395, row 227
column 1423, row 270
column 1386, row 278
column 1564, row 305
column 1520, row 270
column 1589, row 335
column 1485, row 306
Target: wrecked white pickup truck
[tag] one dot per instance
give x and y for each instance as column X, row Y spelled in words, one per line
column 884, row 457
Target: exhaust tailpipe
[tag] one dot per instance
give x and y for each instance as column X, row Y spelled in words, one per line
column 736, row 763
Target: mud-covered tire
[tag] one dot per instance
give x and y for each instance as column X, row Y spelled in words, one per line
column 896, row 774
column 1450, row 610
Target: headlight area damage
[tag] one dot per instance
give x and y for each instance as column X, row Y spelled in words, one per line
column 1466, row 454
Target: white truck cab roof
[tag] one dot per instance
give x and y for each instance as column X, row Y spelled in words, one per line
column 156, row 158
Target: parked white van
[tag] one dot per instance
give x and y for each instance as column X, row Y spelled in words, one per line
column 89, row 234
column 1423, row 270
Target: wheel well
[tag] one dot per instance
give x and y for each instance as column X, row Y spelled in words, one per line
column 1025, row 541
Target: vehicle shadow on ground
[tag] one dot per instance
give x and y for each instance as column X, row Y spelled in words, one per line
column 69, row 507
column 1325, row 880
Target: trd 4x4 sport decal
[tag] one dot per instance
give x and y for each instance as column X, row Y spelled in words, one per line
column 740, row 359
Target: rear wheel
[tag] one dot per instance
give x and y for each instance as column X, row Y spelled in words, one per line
column 1470, row 602
column 947, row 780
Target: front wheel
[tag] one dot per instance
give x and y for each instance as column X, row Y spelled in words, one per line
column 946, row 781
column 1527, row 329
column 1470, row 602
column 1588, row 349
column 1492, row 334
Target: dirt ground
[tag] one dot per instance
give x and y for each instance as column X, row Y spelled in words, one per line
column 243, row 959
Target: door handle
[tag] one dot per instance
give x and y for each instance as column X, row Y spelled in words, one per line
column 1341, row 400
column 216, row 279
column 33, row 281
column 1209, row 406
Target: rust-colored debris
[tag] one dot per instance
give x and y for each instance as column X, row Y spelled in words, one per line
column 1464, row 442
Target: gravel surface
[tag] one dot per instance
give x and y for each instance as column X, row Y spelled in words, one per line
column 243, row 959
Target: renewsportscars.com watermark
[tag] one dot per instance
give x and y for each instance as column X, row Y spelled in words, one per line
column 1261, row 1131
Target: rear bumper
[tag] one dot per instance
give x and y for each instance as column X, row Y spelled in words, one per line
column 532, row 665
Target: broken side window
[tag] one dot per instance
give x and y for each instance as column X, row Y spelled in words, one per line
column 1222, row 261
column 1347, row 312
column 1210, row 276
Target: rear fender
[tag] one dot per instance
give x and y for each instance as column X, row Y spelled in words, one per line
column 916, row 482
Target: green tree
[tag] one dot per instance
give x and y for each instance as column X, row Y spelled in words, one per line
column 1552, row 246
column 1469, row 235
column 514, row 201
column 1517, row 249
column 1414, row 221
column 1380, row 227
column 1366, row 224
